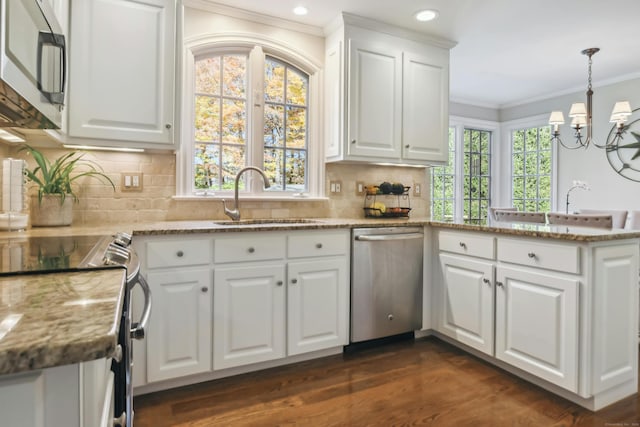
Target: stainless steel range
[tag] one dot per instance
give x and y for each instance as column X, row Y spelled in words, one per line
column 21, row 254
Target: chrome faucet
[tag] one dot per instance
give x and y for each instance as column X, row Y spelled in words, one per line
column 234, row 214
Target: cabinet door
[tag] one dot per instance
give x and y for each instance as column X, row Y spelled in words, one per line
column 467, row 301
column 537, row 324
column 318, row 295
column 249, row 318
column 375, row 101
column 425, row 121
column 122, row 57
column 179, row 340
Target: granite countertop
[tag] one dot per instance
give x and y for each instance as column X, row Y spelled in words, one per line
column 60, row 318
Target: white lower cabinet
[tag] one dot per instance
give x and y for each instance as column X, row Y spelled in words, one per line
column 467, row 309
column 180, row 335
column 537, row 324
column 228, row 300
column 566, row 312
column 317, row 304
column 249, row 315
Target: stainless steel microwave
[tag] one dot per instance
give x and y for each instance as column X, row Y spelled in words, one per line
column 33, row 65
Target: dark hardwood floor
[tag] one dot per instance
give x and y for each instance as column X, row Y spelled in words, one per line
column 422, row 382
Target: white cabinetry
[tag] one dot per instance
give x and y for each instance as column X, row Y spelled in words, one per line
column 387, row 95
column 122, row 72
column 565, row 311
column 179, row 340
column 77, row 395
column 269, row 295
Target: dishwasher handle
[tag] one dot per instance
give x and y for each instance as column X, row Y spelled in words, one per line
column 387, row 237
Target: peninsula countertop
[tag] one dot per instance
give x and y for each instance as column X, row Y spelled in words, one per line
column 61, row 318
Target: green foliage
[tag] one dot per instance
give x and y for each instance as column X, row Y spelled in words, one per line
column 531, row 169
column 58, row 176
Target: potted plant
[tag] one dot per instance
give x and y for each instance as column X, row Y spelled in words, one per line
column 52, row 206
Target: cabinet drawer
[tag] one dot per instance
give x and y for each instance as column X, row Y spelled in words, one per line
column 317, row 244
column 534, row 253
column 178, row 253
column 477, row 245
column 254, row 247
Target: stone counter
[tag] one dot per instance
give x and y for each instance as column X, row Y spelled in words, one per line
column 60, row 318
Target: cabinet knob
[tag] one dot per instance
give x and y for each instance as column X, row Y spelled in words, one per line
column 319, row 245
column 463, row 245
column 251, row 250
column 168, row 125
column 279, row 283
column 390, row 317
column 353, row 141
column 406, row 146
column 531, row 255
column 487, row 281
column 179, row 254
column 294, row 281
column 204, row 289
column 499, row 284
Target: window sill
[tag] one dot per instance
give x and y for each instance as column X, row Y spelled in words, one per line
column 253, row 197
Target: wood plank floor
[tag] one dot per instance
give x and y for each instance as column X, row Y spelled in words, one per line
column 422, row 382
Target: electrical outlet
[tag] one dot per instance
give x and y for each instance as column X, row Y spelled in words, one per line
column 335, row 186
column 417, row 189
column 131, row 181
column 359, row 188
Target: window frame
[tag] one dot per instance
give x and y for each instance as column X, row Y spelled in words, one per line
column 257, row 48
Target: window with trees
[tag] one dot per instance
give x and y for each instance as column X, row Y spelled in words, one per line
column 467, row 198
column 531, row 167
column 232, row 111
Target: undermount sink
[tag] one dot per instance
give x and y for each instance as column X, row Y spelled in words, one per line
column 268, row 221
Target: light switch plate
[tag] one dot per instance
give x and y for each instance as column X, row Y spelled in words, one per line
column 131, row 181
column 417, row 189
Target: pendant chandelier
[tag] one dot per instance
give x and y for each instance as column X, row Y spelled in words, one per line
column 581, row 118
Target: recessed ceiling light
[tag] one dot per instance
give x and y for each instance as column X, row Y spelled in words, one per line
column 300, row 10
column 426, row 15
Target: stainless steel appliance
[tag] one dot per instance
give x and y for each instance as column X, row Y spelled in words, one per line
column 386, row 281
column 72, row 253
column 33, row 65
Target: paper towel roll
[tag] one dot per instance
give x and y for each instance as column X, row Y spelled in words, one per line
column 12, row 185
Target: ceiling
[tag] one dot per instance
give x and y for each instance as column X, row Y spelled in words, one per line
column 509, row 52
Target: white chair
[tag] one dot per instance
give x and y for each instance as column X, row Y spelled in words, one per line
column 492, row 210
column 619, row 217
column 582, row 220
column 514, row 216
column 634, row 220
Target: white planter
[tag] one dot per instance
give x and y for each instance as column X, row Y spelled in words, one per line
column 50, row 212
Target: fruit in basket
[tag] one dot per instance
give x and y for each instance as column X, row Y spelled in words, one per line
column 397, row 188
column 385, row 187
column 378, row 209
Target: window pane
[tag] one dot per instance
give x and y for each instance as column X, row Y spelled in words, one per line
column 273, row 125
column 531, row 179
column 518, row 141
column 296, row 127
column 207, row 174
column 232, row 161
column 274, row 167
column 477, row 175
column 207, row 120
column 296, row 88
column 296, row 169
column 442, row 185
column 274, row 81
column 234, row 76
column 234, row 120
column 208, row 76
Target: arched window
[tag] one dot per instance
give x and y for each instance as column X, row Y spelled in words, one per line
column 248, row 108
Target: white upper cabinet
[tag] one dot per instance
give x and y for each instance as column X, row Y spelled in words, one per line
column 387, row 95
column 122, row 72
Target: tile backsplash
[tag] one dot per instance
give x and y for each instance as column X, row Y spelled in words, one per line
column 99, row 204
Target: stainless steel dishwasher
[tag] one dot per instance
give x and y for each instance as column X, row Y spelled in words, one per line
column 386, row 281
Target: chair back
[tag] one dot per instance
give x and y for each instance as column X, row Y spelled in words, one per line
column 492, row 211
column 514, row 216
column 582, row 220
column 634, row 220
column 619, row 217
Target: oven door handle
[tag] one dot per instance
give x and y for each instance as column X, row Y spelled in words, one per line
column 387, row 237
column 138, row 328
